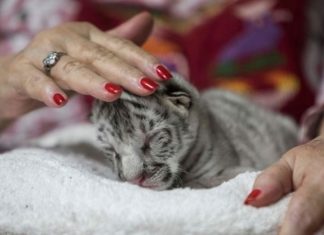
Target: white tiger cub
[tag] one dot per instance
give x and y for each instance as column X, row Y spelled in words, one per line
column 178, row 137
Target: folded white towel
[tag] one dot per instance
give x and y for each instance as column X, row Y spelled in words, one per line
column 50, row 192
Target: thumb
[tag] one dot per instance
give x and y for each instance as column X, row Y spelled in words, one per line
column 136, row 29
column 271, row 185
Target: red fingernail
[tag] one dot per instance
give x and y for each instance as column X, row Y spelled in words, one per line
column 252, row 196
column 149, row 84
column 58, row 99
column 113, row 88
column 163, row 72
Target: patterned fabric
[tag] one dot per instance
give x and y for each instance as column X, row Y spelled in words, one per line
column 41, row 121
column 20, row 20
column 252, row 47
column 248, row 46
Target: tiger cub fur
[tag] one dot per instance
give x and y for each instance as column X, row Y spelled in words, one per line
column 178, row 137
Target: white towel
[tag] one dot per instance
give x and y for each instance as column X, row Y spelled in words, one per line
column 48, row 192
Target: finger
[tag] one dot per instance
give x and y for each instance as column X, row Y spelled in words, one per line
column 305, row 214
column 70, row 74
column 37, row 85
column 74, row 75
column 132, row 54
column 113, row 68
column 122, row 48
column 136, row 29
column 271, row 185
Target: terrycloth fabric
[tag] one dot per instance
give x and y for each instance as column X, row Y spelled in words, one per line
column 69, row 191
column 45, row 193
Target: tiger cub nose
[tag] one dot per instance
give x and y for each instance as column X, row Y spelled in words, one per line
column 138, row 180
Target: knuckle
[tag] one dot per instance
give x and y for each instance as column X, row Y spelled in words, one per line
column 73, row 67
column 291, row 153
column 316, row 142
column 298, row 150
column 122, row 43
column 34, row 86
column 81, row 47
column 309, row 147
column 18, row 62
column 116, row 39
column 102, row 55
column 94, row 53
column 298, row 215
column 42, row 38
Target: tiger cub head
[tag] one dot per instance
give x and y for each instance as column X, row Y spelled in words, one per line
column 145, row 138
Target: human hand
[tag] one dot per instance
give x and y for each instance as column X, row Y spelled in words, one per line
column 301, row 170
column 96, row 63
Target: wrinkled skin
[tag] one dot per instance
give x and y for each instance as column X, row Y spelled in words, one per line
column 93, row 59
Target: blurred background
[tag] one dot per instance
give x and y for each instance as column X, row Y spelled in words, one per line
column 253, row 47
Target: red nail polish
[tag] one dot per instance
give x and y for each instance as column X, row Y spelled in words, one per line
column 149, row 84
column 252, row 196
column 113, row 88
column 58, row 99
column 163, row 72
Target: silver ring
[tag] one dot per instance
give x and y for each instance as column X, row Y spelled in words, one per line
column 51, row 59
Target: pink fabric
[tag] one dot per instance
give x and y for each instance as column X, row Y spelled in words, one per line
column 20, row 20
column 40, row 121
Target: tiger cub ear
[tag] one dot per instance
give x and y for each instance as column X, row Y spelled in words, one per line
column 180, row 102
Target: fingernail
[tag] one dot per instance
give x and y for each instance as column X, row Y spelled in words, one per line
column 149, row 84
column 113, row 88
column 163, row 72
column 252, row 196
column 58, row 99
